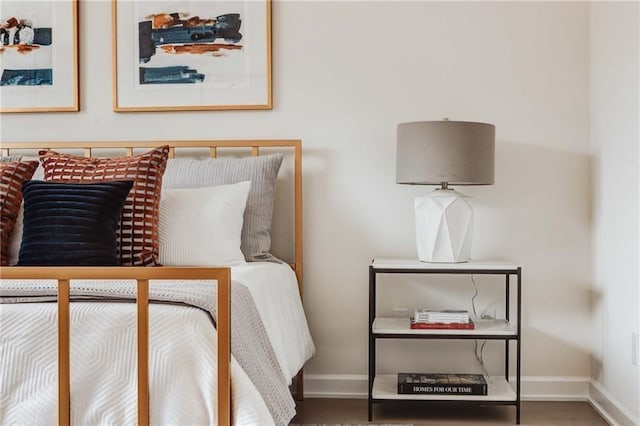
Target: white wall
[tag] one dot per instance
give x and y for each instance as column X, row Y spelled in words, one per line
column 345, row 73
column 615, row 115
column 520, row 66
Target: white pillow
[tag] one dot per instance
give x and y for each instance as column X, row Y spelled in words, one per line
column 202, row 226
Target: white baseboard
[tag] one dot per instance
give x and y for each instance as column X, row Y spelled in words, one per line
column 335, row 386
column 534, row 388
column 610, row 407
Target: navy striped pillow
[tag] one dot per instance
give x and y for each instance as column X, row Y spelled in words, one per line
column 71, row 224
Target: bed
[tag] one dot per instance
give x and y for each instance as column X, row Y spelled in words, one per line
column 160, row 345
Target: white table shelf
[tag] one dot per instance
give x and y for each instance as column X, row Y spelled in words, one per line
column 498, row 390
column 401, row 326
column 487, row 265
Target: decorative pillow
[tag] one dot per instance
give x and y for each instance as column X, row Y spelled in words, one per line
column 16, row 236
column 12, row 175
column 71, row 224
column 262, row 171
column 138, row 226
column 202, row 226
column 10, row 158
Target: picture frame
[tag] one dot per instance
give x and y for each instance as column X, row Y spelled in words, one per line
column 39, row 58
column 194, row 55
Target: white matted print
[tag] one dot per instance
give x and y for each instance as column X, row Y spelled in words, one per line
column 191, row 55
column 38, row 56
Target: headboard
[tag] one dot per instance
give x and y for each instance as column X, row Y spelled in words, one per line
column 210, row 148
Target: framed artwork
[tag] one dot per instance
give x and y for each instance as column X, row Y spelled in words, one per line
column 38, row 56
column 190, row 55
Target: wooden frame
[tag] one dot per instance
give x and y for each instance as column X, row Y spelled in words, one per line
column 173, row 60
column 39, row 56
column 143, row 275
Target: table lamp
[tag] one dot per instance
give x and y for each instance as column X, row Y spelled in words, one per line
column 443, row 153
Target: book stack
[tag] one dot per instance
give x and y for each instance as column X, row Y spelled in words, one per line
column 442, row 384
column 442, row 319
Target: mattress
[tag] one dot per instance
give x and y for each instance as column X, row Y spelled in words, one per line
column 182, row 362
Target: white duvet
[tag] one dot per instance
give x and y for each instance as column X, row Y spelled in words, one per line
column 182, row 362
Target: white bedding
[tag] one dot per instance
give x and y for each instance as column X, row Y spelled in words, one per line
column 182, row 373
column 281, row 311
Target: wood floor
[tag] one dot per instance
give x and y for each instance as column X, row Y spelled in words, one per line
column 354, row 411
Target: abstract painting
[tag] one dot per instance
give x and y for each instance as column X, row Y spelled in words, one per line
column 192, row 55
column 38, row 56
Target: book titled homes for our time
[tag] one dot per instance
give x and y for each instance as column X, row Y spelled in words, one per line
column 442, row 384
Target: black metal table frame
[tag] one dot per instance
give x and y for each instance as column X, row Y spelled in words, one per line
column 507, row 272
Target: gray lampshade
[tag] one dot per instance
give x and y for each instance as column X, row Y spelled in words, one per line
column 456, row 152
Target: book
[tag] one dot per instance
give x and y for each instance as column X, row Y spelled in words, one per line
column 442, row 316
column 442, row 384
column 443, row 325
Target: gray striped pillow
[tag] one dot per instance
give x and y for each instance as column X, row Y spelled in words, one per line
column 10, row 158
column 262, row 171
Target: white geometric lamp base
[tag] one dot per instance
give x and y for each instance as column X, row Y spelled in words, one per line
column 444, row 226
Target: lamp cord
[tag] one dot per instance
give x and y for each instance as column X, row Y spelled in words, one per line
column 480, row 356
column 473, row 298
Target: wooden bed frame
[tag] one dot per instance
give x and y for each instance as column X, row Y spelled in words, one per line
column 143, row 274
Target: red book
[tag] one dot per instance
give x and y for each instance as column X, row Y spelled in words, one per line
column 443, row 326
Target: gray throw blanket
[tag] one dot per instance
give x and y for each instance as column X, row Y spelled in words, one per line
column 250, row 343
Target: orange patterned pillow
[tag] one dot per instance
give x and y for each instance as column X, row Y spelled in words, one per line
column 12, row 175
column 138, row 226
